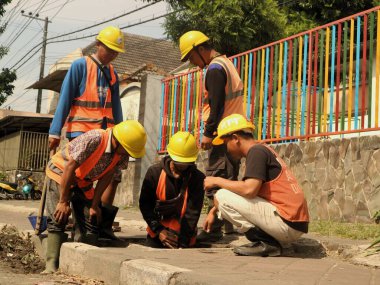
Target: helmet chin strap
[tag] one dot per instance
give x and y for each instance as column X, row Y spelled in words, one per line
column 203, row 60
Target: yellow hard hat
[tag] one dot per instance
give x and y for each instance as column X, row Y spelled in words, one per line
column 113, row 38
column 190, row 40
column 182, row 147
column 131, row 135
column 231, row 124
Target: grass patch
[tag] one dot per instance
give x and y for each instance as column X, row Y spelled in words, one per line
column 345, row 230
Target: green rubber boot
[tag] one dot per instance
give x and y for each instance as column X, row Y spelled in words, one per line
column 54, row 242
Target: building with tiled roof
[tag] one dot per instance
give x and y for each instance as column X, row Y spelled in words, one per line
column 144, row 53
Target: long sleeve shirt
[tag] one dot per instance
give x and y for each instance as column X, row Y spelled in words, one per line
column 73, row 87
column 148, row 198
column 216, row 80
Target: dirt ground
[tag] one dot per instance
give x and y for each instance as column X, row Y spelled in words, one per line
column 17, row 252
column 19, row 261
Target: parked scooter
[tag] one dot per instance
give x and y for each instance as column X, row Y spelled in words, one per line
column 9, row 190
column 28, row 187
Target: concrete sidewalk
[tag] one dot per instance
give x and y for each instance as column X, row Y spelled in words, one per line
column 312, row 260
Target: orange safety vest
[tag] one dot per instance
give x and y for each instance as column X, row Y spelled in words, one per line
column 172, row 224
column 234, row 99
column 86, row 112
column 54, row 169
column 285, row 194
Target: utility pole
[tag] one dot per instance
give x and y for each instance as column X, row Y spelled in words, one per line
column 42, row 64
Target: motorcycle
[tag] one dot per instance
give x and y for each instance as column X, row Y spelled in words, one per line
column 28, row 187
column 9, row 190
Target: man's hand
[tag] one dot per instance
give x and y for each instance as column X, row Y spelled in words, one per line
column 53, row 143
column 96, row 212
column 168, row 239
column 206, row 143
column 209, row 221
column 210, row 182
column 62, row 212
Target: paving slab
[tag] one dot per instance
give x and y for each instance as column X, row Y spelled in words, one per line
column 312, row 260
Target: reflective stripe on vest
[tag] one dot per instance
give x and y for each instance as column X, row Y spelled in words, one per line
column 86, row 112
column 54, row 169
column 234, row 99
column 172, row 224
column 285, row 194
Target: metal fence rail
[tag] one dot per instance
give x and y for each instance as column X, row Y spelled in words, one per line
column 321, row 82
column 34, row 151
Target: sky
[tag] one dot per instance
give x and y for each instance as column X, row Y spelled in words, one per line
column 66, row 16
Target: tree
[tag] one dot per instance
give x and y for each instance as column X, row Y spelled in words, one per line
column 239, row 25
column 233, row 25
column 6, row 76
column 307, row 14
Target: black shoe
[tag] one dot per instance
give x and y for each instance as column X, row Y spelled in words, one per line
column 108, row 234
column 258, row 248
column 209, row 237
column 108, row 217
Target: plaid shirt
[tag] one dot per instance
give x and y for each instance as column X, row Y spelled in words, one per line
column 84, row 145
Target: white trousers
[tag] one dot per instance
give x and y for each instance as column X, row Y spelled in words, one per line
column 246, row 213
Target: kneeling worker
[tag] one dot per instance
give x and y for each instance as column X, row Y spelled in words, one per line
column 171, row 197
column 268, row 206
column 93, row 156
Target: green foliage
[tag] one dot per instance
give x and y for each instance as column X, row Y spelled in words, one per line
column 6, row 76
column 6, row 86
column 376, row 217
column 239, row 25
column 233, row 25
column 345, row 230
column 3, row 176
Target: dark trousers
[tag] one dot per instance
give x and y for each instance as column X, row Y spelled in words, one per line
column 220, row 164
column 79, row 205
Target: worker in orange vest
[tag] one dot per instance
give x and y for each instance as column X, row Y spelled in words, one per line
column 222, row 96
column 171, row 197
column 71, row 172
column 268, row 205
column 89, row 99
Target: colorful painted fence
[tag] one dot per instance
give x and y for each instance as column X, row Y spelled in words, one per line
column 318, row 83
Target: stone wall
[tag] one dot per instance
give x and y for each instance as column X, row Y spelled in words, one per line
column 340, row 177
column 125, row 196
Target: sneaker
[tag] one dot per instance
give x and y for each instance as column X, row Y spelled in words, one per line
column 209, row 237
column 258, row 248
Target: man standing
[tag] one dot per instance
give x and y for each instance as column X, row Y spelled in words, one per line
column 93, row 156
column 171, row 197
column 89, row 99
column 223, row 96
column 268, row 205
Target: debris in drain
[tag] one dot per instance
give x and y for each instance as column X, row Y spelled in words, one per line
column 17, row 251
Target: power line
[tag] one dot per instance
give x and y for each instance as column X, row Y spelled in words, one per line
column 122, row 15
column 52, row 8
column 88, row 36
column 60, row 9
column 17, row 98
column 121, row 28
column 14, row 12
column 29, row 42
column 106, row 21
column 43, row 3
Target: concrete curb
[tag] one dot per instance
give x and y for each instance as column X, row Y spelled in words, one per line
column 98, row 263
column 147, row 272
